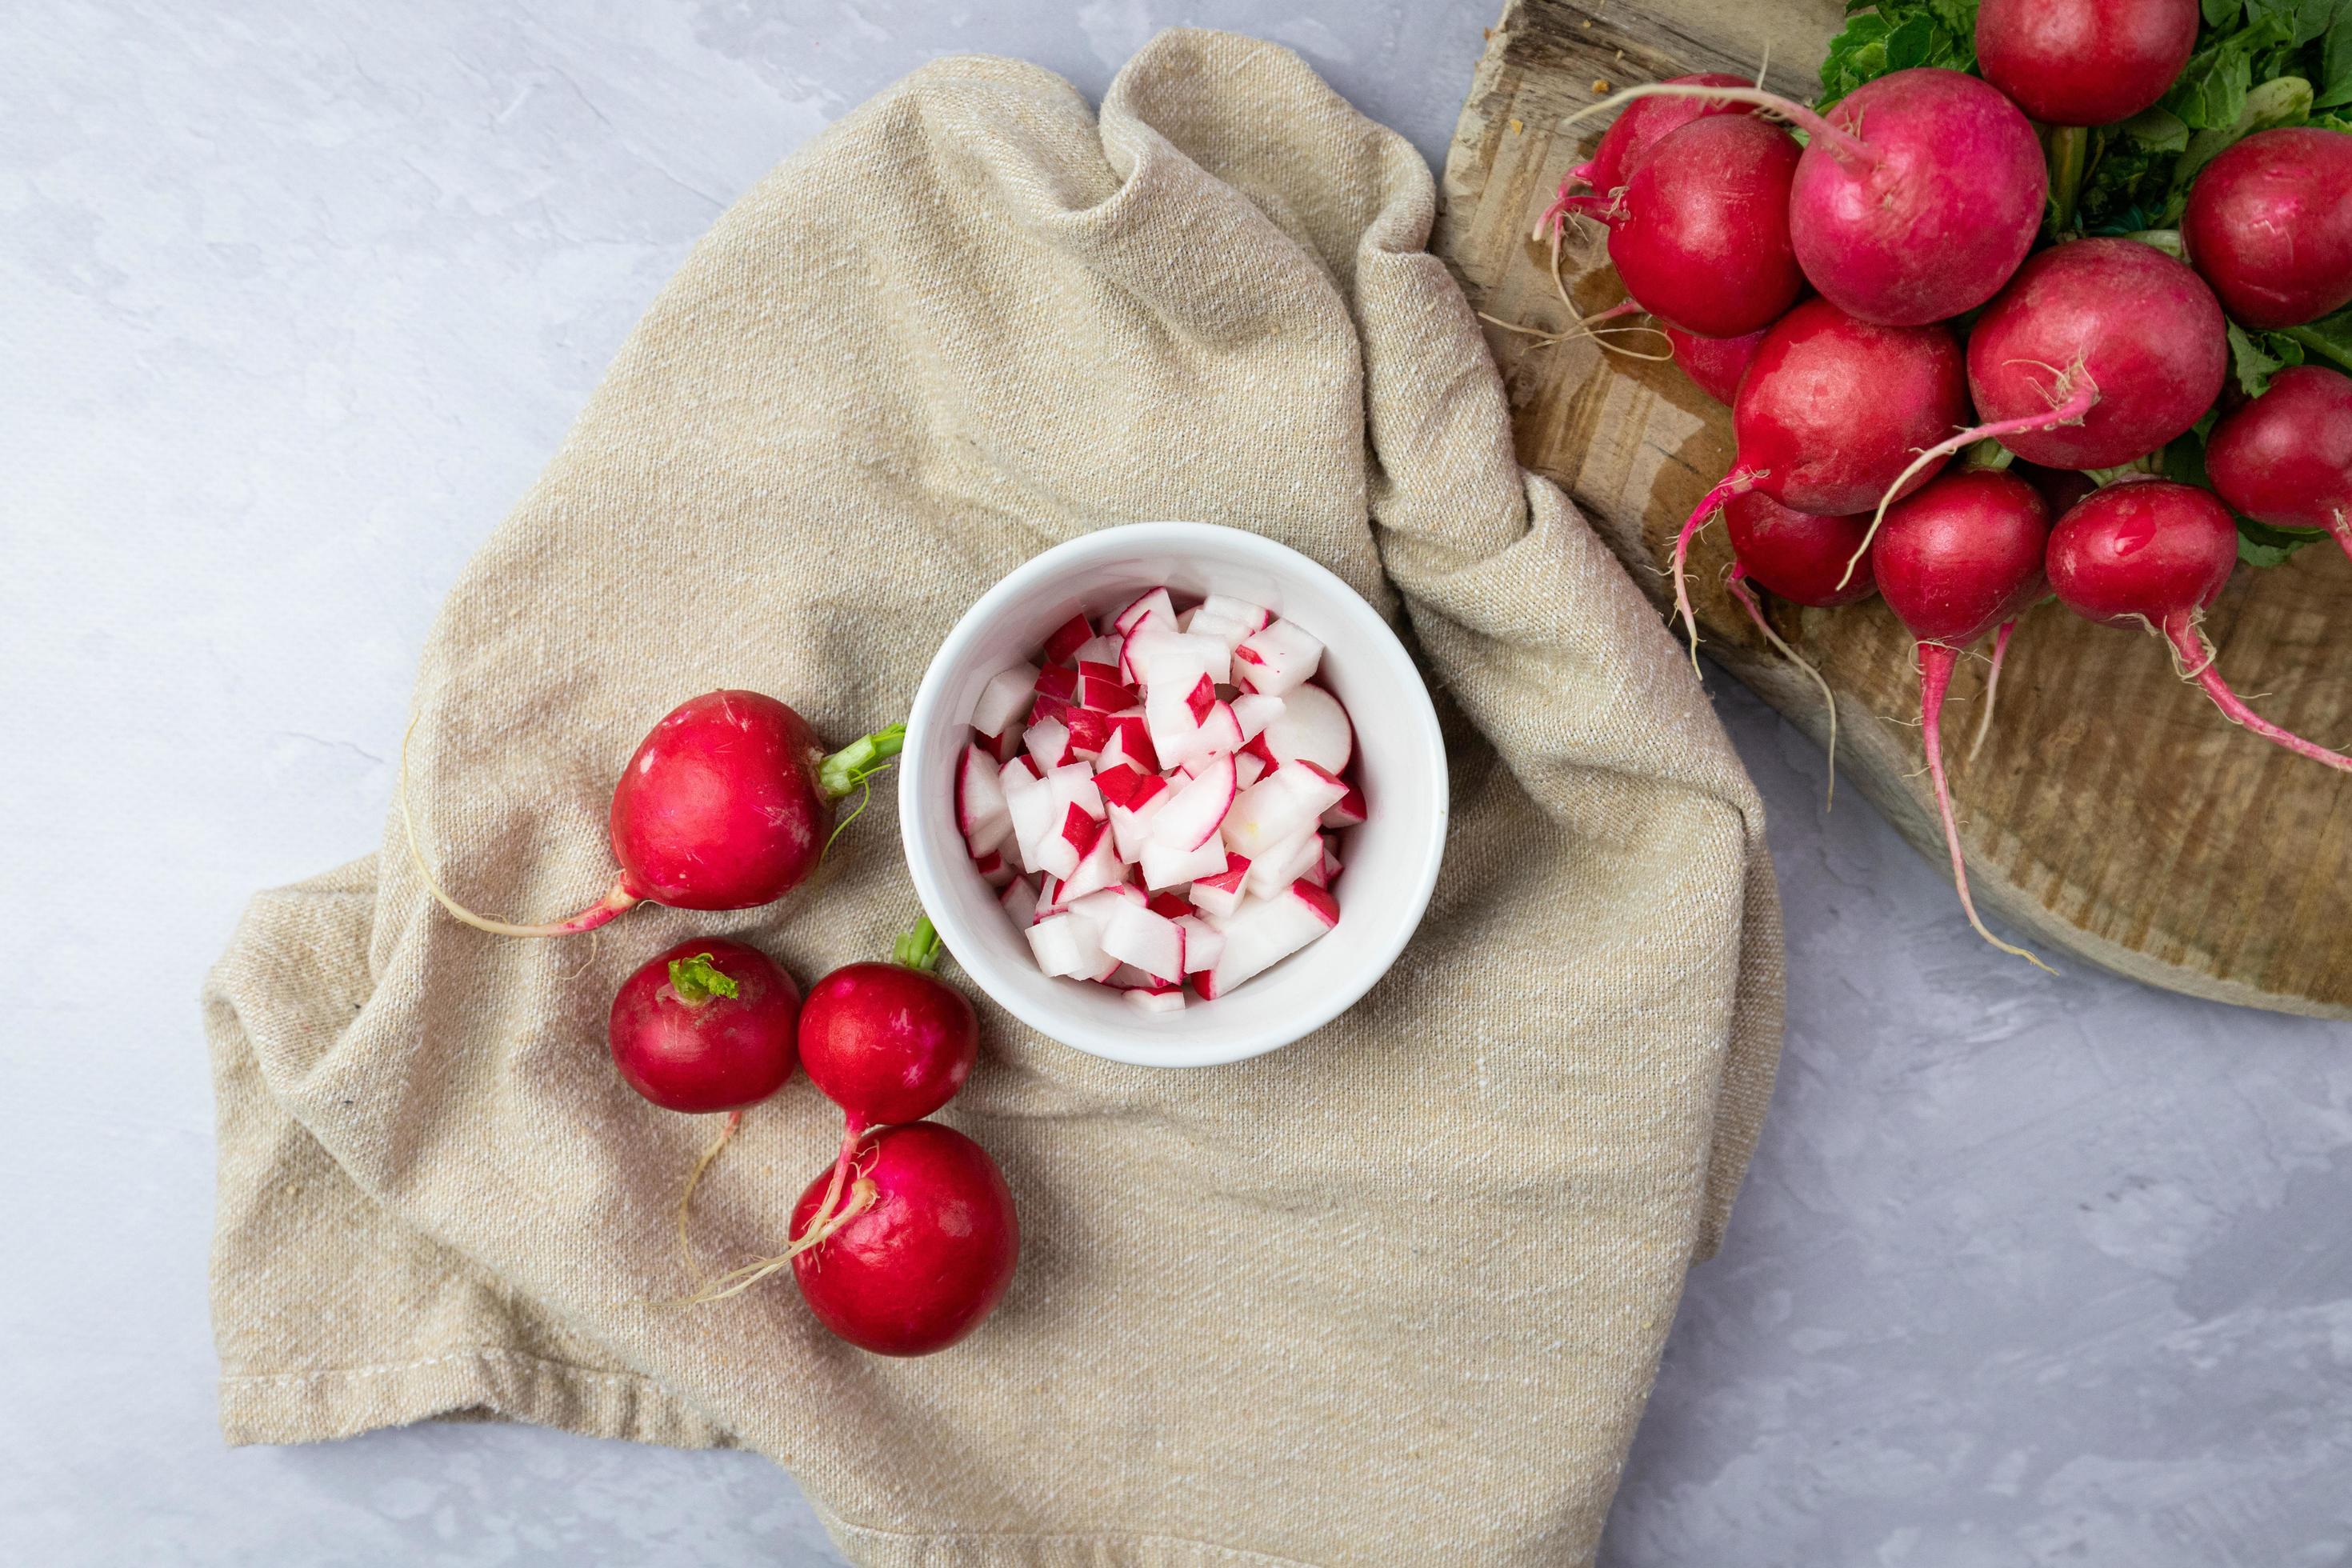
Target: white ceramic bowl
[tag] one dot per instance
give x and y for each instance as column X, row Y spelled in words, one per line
column 1390, row 861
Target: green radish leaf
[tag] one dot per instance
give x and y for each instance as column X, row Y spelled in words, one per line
column 2211, row 92
column 2219, row 13
column 2254, row 363
column 2260, row 544
column 1958, row 16
column 2335, row 80
column 2329, row 338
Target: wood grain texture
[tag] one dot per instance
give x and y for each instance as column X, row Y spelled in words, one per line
column 2113, row 814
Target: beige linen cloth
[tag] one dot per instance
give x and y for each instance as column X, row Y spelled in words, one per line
column 1393, row 1295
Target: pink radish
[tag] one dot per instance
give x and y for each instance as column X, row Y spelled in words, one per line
column 1917, row 194
column 727, row 805
column 2099, row 352
column 1700, row 233
column 2156, row 554
column 1716, row 364
column 1262, row 932
column 1311, row 724
column 1275, row 658
column 1829, row 414
column 1220, row 892
column 706, row 1026
column 921, row 1250
column 1281, row 806
column 1627, row 143
column 2286, row 459
column 1953, row 562
column 1061, row 644
column 2084, row 62
column 2269, row 223
column 1351, row 812
column 1152, row 611
column 1194, row 815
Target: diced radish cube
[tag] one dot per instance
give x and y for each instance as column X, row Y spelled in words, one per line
column 1102, row 651
column 1105, row 696
column 1100, row 868
column 1280, row 807
column 1048, row 741
column 1201, row 699
column 993, row 869
column 1254, row 713
column 1220, row 892
column 1154, row 609
column 1153, row 658
column 1153, row 943
column 1167, row 867
column 1091, row 670
column 1330, row 866
column 1131, row 737
column 1227, row 618
column 1011, row 850
column 1071, row 840
column 1169, row 1001
column 1117, row 782
column 1042, row 708
column 1170, row 903
column 1284, row 864
column 1063, row 641
column 1003, row 748
column 1049, row 895
column 1263, row 931
column 1312, row 725
column 1194, row 815
column 1093, row 912
column 1349, row 812
column 1204, row 943
column 1031, row 806
column 1058, row 681
column 982, row 813
column 1247, row 769
column 1090, row 732
column 1005, row 699
column 1275, row 660
column 1130, row 826
column 1064, row 944
column 1020, row 900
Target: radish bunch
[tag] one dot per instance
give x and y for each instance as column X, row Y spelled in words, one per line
column 1158, row 798
column 1985, row 294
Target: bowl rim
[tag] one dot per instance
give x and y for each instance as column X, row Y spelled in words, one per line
column 923, row 860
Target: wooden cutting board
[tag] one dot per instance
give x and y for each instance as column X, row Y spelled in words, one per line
column 2113, row 814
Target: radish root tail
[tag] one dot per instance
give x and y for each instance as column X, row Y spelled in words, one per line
column 2194, row 656
column 2341, row 527
column 618, row 900
column 861, row 1198
column 1992, row 685
column 1746, row 597
column 1936, row 664
column 1737, row 482
column 2074, row 396
column 694, row 1180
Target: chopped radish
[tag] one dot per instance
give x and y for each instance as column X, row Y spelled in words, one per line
column 1075, row 785
column 982, row 815
column 993, row 869
column 1349, row 812
column 1069, row 842
column 1102, row 650
column 1263, row 931
column 1172, row 904
column 1152, row 611
column 1153, row 943
column 1280, row 807
column 1154, row 657
column 1192, row 816
column 1204, row 943
column 1130, row 741
column 1131, row 822
column 1020, row 902
column 1312, row 725
column 1031, row 808
column 1005, row 699
column 1171, row 1000
column 1229, row 619
column 1167, row 866
column 1254, row 713
column 1275, row 660
column 1220, row 892
column 1248, row 768
column 1099, row 869
column 1283, row 865
column 1058, row 681
column 1061, row 644
column 1062, row 945
column 1048, row 741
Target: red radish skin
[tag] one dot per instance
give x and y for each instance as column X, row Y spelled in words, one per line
column 1800, row 556
column 707, row 1026
column 1829, row 414
column 2156, row 554
column 1628, row 141
column 1700, row 234
column 2084, row 62
column 922, row 1252
column 2269, row 225
column 2099, row 352
column 727, row 805
column 2286, row 459
column 1958, row 559
column 1713, row 365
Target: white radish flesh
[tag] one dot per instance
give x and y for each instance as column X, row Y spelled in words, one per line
column 1265, row 931
column 982, row 813
column 1153, row 943
column 1277, row 659
column 1167, row 866
column 1004, row 700
column 1194, row 815
column 1311, row 725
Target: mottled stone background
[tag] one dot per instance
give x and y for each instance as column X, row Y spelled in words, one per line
column 294, row 299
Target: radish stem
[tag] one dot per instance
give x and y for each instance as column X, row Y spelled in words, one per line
column 1936, row 664
column 2195, row 658
column 859, row 761
column 920, row 948
column 1819, row 129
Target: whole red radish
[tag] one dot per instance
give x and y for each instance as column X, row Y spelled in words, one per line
column 1628, row 141
column 2084, row 62
column 2156, row 554
column 1917, row 196
column 727, row 805
column 2286, row 459
column 889, row 1042
column 1829, row 413
column 922, row 1250
column 1716, row 364
column 1700, row 233
column 2099, row 350
column 2269, row 225
column 707, row 1026
column 1959, row 558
